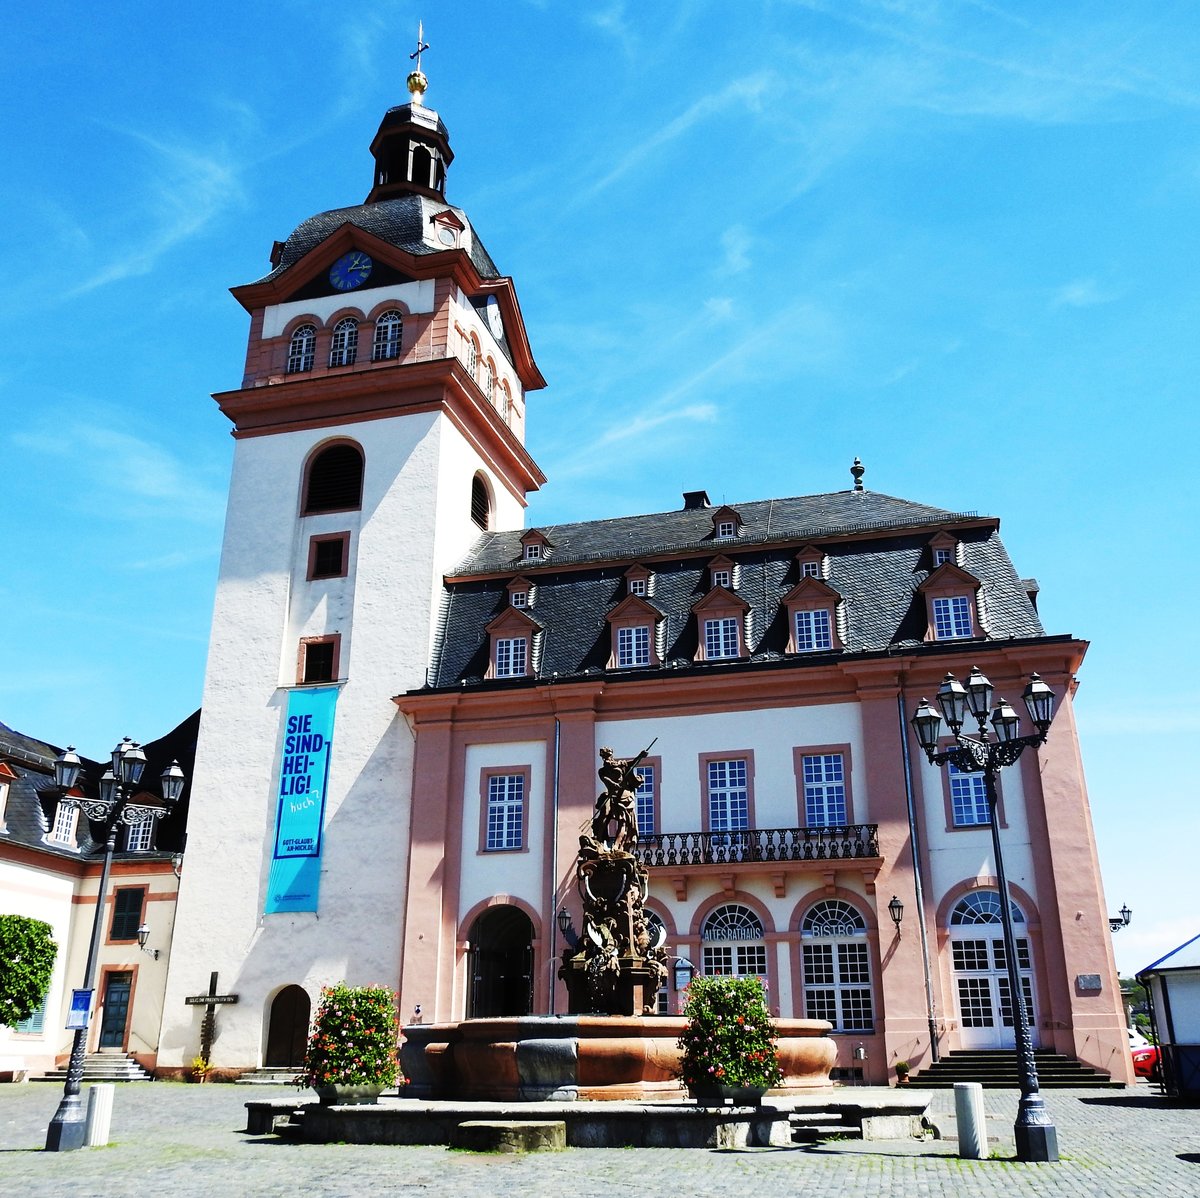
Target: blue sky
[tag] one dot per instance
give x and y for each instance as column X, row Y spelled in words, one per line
column 752, row 241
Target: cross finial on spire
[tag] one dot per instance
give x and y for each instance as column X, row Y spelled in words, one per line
column 417, row 82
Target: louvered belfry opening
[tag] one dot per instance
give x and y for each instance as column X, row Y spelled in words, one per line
column 334, row 480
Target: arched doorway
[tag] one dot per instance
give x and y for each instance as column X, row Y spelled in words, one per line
column 287, row 1030
column 501, row 964
column 985, row 1009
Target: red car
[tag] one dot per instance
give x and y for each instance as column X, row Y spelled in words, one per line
column 1145, row 1054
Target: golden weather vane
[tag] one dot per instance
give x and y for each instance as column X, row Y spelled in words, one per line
column 417, row 82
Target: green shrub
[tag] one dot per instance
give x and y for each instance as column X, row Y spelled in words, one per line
column 730, row 1037
column 27, row 955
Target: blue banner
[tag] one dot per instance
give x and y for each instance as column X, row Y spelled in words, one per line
column 295, row 877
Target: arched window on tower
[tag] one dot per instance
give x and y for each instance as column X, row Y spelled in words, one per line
column 836, row 965
column 302, row 349
column 344, row 349
column 734, row 943
column 481, row 502
column 472, row 356
column 388, row 329
column 489, row 382
column 334, row 481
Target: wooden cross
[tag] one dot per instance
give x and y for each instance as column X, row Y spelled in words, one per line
column 422, row 44
column 210, row 1002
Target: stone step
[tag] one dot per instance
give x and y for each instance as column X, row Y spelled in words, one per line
column 997, row 1069
column 106, row 1065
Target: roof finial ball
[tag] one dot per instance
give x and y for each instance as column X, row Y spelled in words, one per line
column 417, row 80
column 858, row 470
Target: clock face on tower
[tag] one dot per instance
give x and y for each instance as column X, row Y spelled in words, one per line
column 350, row 270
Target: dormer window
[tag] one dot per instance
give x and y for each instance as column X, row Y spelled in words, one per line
column 447, row 229
column 66, row 817
column 726, row 524
column 637, row 581
column 810, row 562
column 952, row 608
column 951, row 618
column 721, row 626
column 520, row 593
column 633, row 626
column 534, row 546
column 140, row 837
column 720, row 573
column 812, row 617
column 943, row 549
column 512, row 634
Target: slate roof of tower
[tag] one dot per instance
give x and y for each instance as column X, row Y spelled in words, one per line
column 401, row 222
column 581, row 579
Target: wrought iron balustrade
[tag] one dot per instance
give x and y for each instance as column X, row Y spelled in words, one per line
column 838, row 843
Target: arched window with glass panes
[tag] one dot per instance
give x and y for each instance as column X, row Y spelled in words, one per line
column 836, row 966
column 388, row 330
column 344, row 349
column 302, row 349
column 734, row 944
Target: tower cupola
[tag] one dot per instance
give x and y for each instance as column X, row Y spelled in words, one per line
column 412, row 146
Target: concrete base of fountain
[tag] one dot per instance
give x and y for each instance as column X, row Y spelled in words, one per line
column 538, row 1058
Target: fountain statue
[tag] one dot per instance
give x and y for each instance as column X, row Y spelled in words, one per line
column 618, row 963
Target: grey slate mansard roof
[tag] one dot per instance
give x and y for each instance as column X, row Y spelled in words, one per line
column 400, row 222
column 876, row 577
column 33, row 794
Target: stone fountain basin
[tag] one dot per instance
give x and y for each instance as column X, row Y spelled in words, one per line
column 536, row 1058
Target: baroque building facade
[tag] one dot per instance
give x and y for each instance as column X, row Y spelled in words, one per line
column 407, row 692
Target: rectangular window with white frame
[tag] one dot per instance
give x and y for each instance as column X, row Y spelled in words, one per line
column 66, row 817
column 952, row 617
column 646, row 798
column 505, row 813
column 512, row 653
column 633, row 647
column 637, row 586
column 968, row 798
column 728, row 795
column 810, row 569
column 721, row 638
column 814, row 630
column 722, row 578
column 942, row 556
column 139, row 838
column 824, row 790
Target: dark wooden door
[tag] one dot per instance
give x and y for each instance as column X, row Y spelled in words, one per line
column 287, row 1033
column 117, row 989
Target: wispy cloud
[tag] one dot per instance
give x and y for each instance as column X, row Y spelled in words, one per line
column 736, row 243
column 747, row 91
column 705, row 413
column 1082, row 293
column 149, row 480
column 192, row 188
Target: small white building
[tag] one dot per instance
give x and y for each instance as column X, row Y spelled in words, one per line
column 1173, row 983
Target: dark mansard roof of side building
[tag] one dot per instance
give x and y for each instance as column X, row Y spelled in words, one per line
column 33, row 796
column 877, row 551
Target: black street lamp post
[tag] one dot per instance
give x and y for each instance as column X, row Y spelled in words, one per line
column 112, row 809
column 1036, row 1137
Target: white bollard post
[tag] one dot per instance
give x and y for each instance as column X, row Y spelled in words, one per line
column 99, row 1114
column 972, row 1122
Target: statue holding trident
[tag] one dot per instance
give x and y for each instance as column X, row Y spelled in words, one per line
column 617, row 805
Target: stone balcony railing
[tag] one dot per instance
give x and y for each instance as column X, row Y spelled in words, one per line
column 747, row 845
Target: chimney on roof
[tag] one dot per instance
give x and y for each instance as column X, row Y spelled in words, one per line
column 695, row 499
column 858, row 470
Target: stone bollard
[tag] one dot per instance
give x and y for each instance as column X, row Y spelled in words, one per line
column 99, row 1114
column 972, row 1122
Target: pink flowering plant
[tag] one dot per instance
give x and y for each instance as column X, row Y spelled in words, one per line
column 354, row 1040
column 730, row 1036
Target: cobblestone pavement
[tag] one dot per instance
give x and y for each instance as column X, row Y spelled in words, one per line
column 179, row 1140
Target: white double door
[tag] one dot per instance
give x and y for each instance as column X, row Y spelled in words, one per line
column 985, row 1009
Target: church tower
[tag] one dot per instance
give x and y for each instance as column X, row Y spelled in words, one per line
column 378, row 429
